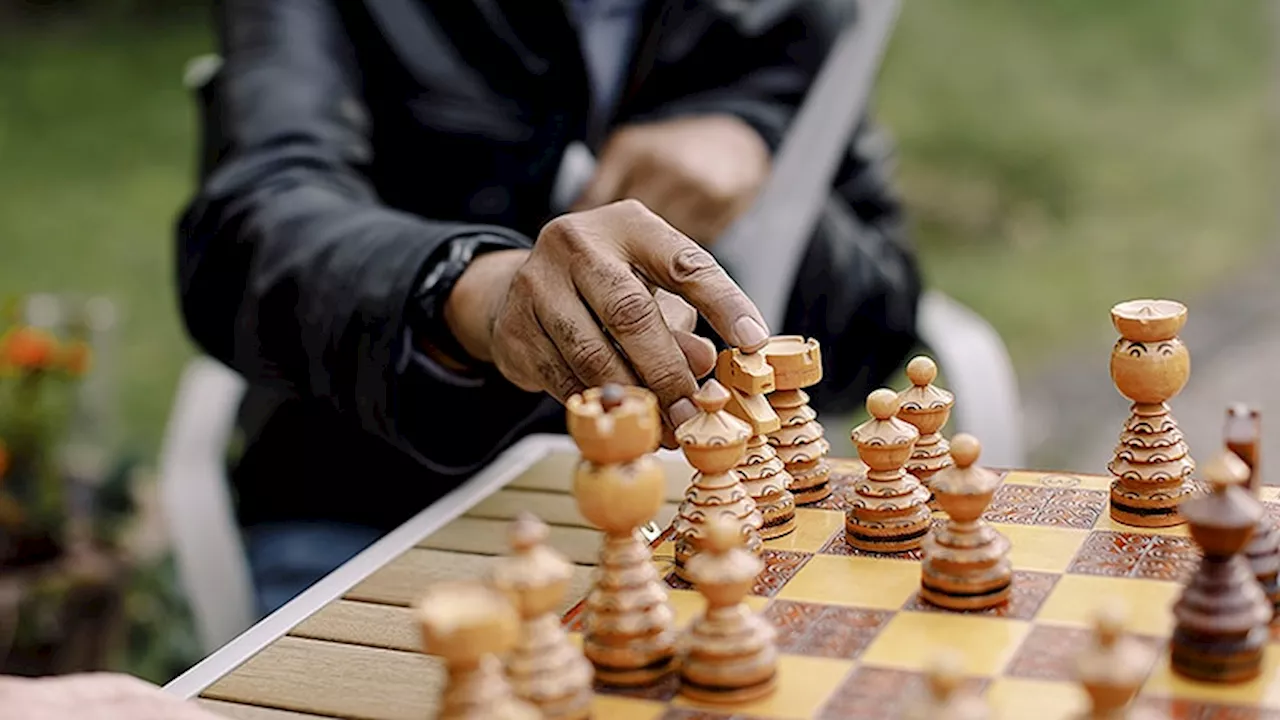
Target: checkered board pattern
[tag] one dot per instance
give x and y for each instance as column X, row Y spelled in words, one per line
column 855, row 639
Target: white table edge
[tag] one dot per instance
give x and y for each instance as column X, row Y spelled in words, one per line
column 497, row 474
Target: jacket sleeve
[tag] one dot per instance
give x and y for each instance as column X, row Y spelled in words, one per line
column 290, row 269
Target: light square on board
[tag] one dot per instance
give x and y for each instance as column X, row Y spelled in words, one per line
column 1106, row 523
column 912, row 640
column 804, row 684
column 623, row 708
column 860, row 581
column 813, row 529
column 689, row 604
column 1076, row 599
column 1037, row 478
column 1045, row 549
column 1263, row 692
column 1039, row 699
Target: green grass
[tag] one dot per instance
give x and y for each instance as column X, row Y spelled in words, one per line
column 1059, row 156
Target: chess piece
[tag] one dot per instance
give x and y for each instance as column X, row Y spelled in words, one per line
column 800, row 441
column 1243, row 435
column 1149, row 366
column 945, row 700
column 1113, row 667
column 927, row 407
column 629, row 623
column 713, row 441
column 749, row 380
column 545, row 669
column 728, row 655
column 888, row 509
column 966, row 561
column 469, row 625
column 1222, row 614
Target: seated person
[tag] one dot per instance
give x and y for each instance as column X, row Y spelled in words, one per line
column 375, row 244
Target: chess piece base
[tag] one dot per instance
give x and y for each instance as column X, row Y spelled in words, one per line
column 783, row 527
column 728, row 696
column 1232, row 659
column 779, row 513
column 977, row 599
column 810, row 485
column 635, row 677
column 887, row 538
column 1153, row 508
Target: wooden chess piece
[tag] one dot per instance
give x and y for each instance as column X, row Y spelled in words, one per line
column 469, row 625
column 1149, row 366
column 749, row 379
column 801, row 442
column 1113, row 667
column 713, row 441
column 888, row 509
column 1243, row 435
column 927, row 407
column 629, row 623
column 728, row 655
column 546, row 669
column 945, row 699
column 1223, row 614
column 966, row 561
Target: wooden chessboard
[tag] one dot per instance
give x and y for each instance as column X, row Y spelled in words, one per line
column 853, row 635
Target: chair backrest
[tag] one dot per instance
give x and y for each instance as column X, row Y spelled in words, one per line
column 197, row 502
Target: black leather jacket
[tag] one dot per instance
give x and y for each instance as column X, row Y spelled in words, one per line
column 346, row 145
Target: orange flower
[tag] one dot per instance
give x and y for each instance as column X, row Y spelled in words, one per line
column 28, row 348
column 76, row 358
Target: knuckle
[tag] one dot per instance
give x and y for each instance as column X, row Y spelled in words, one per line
column 632, row 312
column 566, row 231
column 694, row 265
column 592, row 358
column 668, row 378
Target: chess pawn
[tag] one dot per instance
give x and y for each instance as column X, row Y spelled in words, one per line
column 888, row 509
column 728, row 655
column 1112, row 668
column 629, row 634
column 469, row 625
column 749, row 379
column 1149, row 366
column 545, row 669
column 1243, row 435
column 800, row 440
column 713, row 441
column 1222, row 614
column 966, row 562
column 945, row 700
column 927, row 407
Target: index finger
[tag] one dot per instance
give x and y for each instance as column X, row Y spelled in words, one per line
column 674, row 262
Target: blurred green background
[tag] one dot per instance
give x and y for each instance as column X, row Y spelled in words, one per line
column 1058, row 156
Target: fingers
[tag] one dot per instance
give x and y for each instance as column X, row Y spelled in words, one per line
column 675, row 263
column 698, row 351
column 528, row 357
column 586, row 350
column 679, row 314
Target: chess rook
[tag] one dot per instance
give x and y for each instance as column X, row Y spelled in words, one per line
column 1243, row 435
column 800, row 440
column 1222, row 615
column 545, row 669
column 927, row 407
column 728, row 655
column 713, row 442
column 966, row 562
column 1113, row 667
column 1149, row 366
column 469, row 625
column 749, row 379
column 629, row 635
column 888, row 509
column 945, row 699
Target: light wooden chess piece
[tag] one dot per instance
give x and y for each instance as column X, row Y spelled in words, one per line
column 1150, row 365
column 800, row 441
column 728, row 655
column 888, row 509
column 1112, row 669
column 713, row 441
column 629, row 636
column 927, row 407
column 749, row 379
column 966, row 562
column 546, row 668
column 469, row 625
column 1223, row 614
column 1243, row 436
column 946, row 700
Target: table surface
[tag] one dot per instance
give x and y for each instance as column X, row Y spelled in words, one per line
column 348, row 647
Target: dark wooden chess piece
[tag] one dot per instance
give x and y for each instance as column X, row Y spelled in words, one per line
column 1243, row 436
column 1223, row 614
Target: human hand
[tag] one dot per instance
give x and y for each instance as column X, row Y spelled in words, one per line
column 698, row 173
column 93, row 696
column 587, row 307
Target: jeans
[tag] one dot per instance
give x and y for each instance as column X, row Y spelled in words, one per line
column 287, row 558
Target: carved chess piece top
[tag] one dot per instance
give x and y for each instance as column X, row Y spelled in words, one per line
column 1243, row 434
column 965, row 490
column 884, row 442
column 796, row 361
column 1113, row 667
column 724, row 571
column 534, row 575
column 1150, row 375
column 713, row 440
column 946, row 699
column 924, row 404
column 1222, row 520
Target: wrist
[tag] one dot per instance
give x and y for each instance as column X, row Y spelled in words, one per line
column 474, row 300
